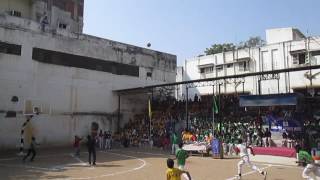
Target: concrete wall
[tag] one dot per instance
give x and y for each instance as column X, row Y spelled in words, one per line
column 23, row 6
column 179, row 78
column 73, row 97
column 278, row 35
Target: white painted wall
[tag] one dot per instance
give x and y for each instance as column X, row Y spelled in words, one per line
column 279, row 35
column 76, row 97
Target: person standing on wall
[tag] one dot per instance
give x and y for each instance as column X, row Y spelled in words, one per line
column 91, row 149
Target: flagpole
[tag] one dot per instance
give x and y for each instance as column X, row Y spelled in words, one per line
column 149, row 113
column 213, row 111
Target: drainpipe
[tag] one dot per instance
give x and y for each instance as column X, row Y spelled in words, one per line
column 187, row 114
column 285, row 66
column 119, row 106
column 308, row 51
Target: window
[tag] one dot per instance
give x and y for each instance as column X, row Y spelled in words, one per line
column 71, row 60
column 62, row 26
column 202, row 70
column 149, row 74
column 315, row 53
column 244, row 66
column 302, row 58
column 10, row 48
column 219, row 68
column 209, row 69
column 299, row 58
column 229, row 65
column 15, row 13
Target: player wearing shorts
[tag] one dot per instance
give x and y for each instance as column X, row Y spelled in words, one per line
column 181, row 156
column 242, row 149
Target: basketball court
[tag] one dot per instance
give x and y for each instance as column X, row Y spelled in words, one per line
column 130, row 163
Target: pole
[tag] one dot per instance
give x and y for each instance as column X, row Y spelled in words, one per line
column 118, row 123
column 149, row 126
column 187, row 115
column 243, row 87
column 213, row 111
column 219, row 107
column 259, row 86
column 152, row 95
column 278, row 85
column 151, row 108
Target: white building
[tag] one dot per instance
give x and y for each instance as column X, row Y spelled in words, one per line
column 285, row 48
column 69, row 76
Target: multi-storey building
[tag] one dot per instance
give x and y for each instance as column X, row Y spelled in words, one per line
column 285, row 48
column 48, row 65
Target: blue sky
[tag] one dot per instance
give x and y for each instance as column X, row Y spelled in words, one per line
column 186, row 27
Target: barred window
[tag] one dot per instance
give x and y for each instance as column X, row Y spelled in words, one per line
column 10, row 48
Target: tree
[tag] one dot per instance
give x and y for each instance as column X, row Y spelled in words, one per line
column 255, row 41
column 252, row 42
column 218, row 48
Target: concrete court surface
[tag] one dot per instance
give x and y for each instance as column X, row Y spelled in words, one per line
column 130, row 164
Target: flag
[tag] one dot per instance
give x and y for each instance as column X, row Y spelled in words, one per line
column 215, row 107
column 149, row 107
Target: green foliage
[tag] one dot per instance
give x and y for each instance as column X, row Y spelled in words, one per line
column 251, row 42
column 218, row 48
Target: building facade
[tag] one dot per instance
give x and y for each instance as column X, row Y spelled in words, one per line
column 285, row 48
column 58, row 15
column 67, row 76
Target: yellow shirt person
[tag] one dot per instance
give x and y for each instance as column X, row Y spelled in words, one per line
column 174, row 173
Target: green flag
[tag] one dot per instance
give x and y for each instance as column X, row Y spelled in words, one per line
column 149, row 109
column 215, row 107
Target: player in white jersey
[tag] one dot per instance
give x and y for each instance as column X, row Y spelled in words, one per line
column 313, row 164
column 242, row 149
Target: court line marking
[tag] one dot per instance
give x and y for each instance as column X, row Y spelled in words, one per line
column 279, row 165
column 208, row 158
column 95, row 177
column 31, row 167
column 79, row 160
column 119, row 172
column 43, row 156
column 256, row 162
column 250, row 172
column 141, row 152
